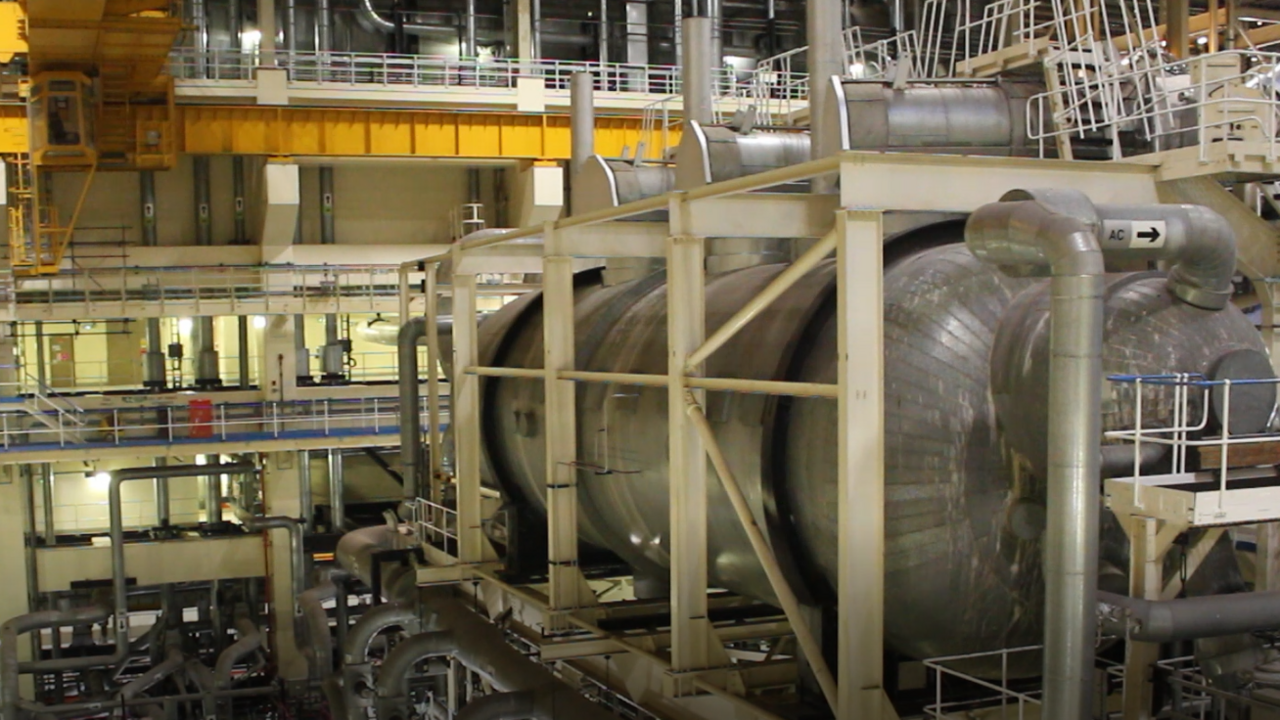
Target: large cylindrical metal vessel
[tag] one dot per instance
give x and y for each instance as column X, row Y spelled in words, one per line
column 963, row 524
column 974, row 118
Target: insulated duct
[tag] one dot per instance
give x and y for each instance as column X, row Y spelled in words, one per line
column 1063, row 232
column 411, row 333
column 1192, row 618
column 696, row 72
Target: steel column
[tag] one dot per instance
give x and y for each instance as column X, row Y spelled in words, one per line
column 162, row 495
column 691, row 631
column 1146, row 558
column 435, row 489
column 242, row 349
column 860, row 509
column 466, row 420
column 561, row 434
column 46, row 498
column 239, row 200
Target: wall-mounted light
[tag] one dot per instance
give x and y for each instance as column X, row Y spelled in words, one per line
column 184, row 325
column 100, row 480
column 259, row 321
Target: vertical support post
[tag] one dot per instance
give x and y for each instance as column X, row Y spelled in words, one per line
column 524, row 30
column 1145, row 581
column 1177, row 31
column 1268, row 557
column 434, row 444
column 466, row 418
column 238, row 201
column 691, row 631
column 860, row 379
column 562, row 429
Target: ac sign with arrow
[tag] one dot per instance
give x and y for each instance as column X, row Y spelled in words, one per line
column 1134, row 234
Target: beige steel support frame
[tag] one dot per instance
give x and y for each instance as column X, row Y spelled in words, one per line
column 694, row 679
column 568, row 588
column 1149, row 541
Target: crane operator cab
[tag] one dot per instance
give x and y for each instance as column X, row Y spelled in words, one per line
column 61, row 121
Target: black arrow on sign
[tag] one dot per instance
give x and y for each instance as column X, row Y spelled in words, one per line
column 1151, row 235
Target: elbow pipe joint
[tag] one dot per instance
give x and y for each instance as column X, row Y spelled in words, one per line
column 1031, row 230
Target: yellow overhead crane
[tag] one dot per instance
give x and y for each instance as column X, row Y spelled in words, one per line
column 91, row 64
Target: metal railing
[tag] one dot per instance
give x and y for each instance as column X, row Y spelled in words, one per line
column 1226, row 96
column 960, row 692
column 980, row 693
column 204, row 421
column 428, row 71
column 435, row 524
column 259, row 287
column 1182, row 403
column 1193, row 697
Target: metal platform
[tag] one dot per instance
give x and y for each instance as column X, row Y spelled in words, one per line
column 1199, row 499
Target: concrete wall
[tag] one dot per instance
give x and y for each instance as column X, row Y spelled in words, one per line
column 375, row 204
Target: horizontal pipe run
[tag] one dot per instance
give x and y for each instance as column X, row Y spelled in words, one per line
column 1161, row 621
column 766, row 387
column 757, row 304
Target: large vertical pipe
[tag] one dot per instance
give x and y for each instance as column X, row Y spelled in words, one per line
column 582, row 120
column 410, row 333
column 604, row 31
column 697, row 70
column 291, row 28
column 153, row 364
column 536, row 7
column 337, row 503
column 235, row 14
column 715, row 11
column 469, row 49
column 238, row 200
column 200, row 23
column 582, row 132
column 826, row 60
column 324, row 26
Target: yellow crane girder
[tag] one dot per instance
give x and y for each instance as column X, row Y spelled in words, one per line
column 346, row 132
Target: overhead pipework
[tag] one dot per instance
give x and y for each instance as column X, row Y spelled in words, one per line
column 1064, row 234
